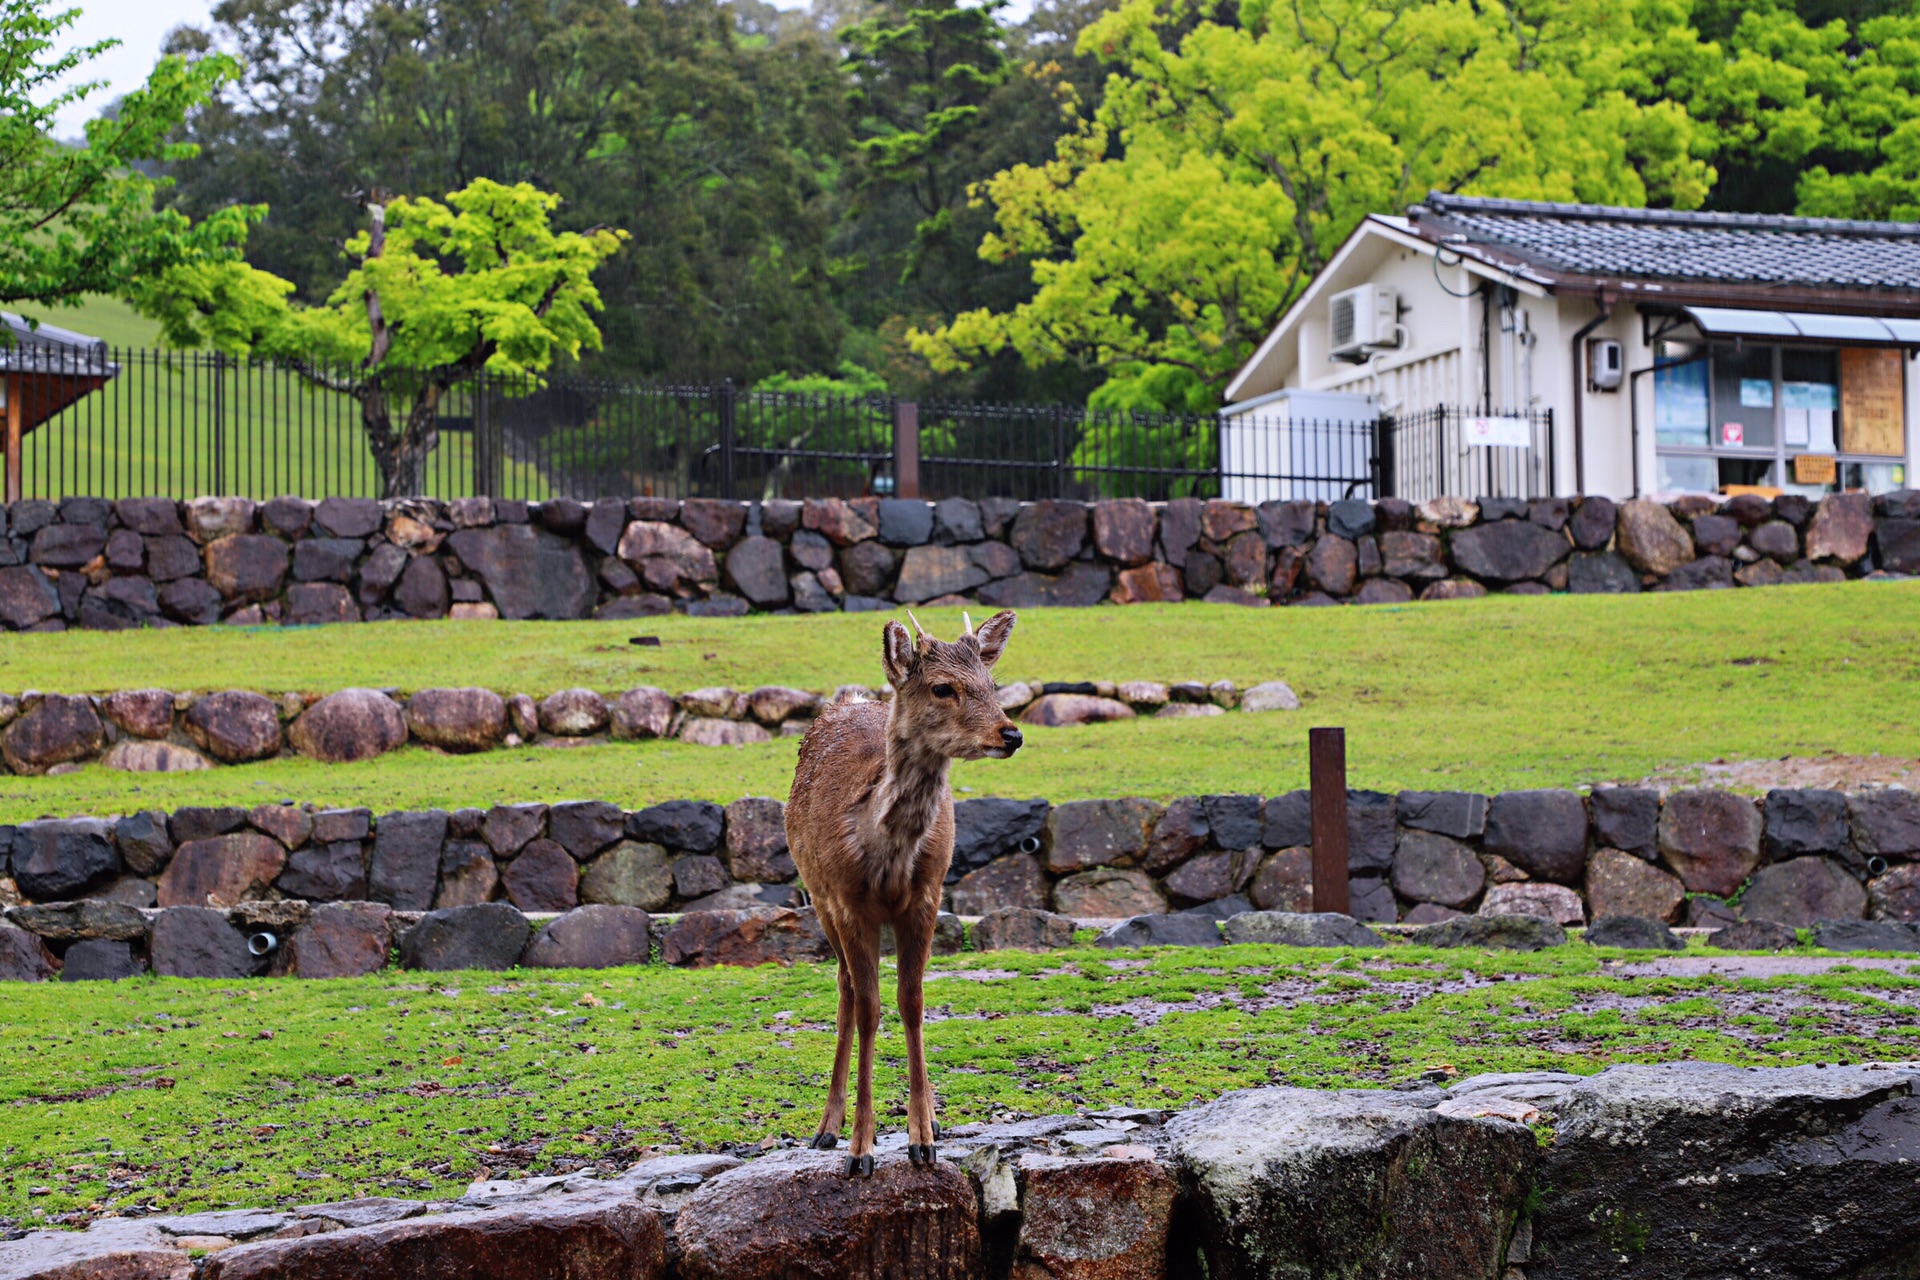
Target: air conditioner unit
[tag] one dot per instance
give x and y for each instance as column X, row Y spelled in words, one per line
column 1604, row 364
column 1362, row 321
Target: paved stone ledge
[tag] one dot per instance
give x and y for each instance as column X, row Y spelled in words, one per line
column 1650, row 1172
column 160, row 731
column 1795, row 859
column 140, row 562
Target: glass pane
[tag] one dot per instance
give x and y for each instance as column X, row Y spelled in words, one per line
column 1745, row 470
column 1688, row 475
column 1680, row 404
column 1743, row 398
column 1874, row 477
column 1810, row 397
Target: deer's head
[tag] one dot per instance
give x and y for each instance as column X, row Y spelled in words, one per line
column 943, row 695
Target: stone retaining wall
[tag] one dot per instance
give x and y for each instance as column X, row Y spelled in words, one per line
column 156, row 562
column 1696, row 857
column 160, row 731
column 1652, row 1172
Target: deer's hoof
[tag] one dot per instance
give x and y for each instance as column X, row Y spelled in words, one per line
column 860, row 1166
column 921, row 1154
column 825, row 1141
column 936, row 1130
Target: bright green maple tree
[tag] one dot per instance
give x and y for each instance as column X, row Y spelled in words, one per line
column 80, row 219
column 1235, row 148
column 435, row 294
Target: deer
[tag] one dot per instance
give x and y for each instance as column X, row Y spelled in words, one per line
column 870, row 827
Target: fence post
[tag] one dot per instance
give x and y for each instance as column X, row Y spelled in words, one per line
column 906, row 449
column 1327, row 776
column 482, row 447
column 219, row 423
column 1383, row 459
column 1441, row 459
column 1059, row 453
column 15, row 412
column 726, row 406
column 1553, row 471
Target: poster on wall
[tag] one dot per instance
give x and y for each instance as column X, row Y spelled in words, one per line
column 1873, row 401
column 1498, row 433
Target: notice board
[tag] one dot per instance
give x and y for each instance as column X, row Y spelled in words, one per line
column 1873, row 402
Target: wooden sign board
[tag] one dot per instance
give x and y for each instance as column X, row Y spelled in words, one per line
column 1815, row 468
column 1873, row 401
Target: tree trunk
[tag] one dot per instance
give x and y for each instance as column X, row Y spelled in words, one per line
column 401, row 459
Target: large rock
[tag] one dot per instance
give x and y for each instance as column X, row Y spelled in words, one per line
column 1325, row 1183
column 1012, row 881
column 100, row 960
column 27, row 598
column 1209, row 877
column 1600, row 573
column 631, row 874
column 1437, row 868
column 1099, row 833
column 542, row 877
column 406, row 859
column 585, row 827
column 986, row 829
column 761, row 935
column 1896, row 895
column 529, row 572
column 66, row 546
column 235, row 726
column 1022, row 929
column 223, row 871
column 1651, row 539
column 113, row 1248
column 1162, row 930
column 145, row 844
column 59, row 730
column 1544, row 833
column 905, row 522
column 1619, row 884
column 198, row 942
column 247, row 566
column 1696, row 1169
column 930, row 571
column 331, row 872
column 1866, row 935
column 467, row 874
column 1885, row 822
column 1899, row 545
column 1460, row 814
column 1553, row 902
column 573, row 713
column 144, row 713
column 339, row 940
column 23, row 958
column 598, row 936
column 1106, row 1218
column 1508, row 550
column 795, row 1214
column 1300, row 929
column 690, row 826
column 1284, row 881
column 756, row 567
column 1840, row 528
column 1083, row 585
column 1123, row 531
column 349, row 725
column 1049, row 534
column 1711, row 838
column 1107, row 893
column 490, row 935
column 55, row 860
column 1510, row 933
column 1634, row 933
column 1334, row 565
column 89, row 918
column 1056, row 709
column 467, row 719
column 596, row 1236
column 1626, row 818
column 645, row 712
column 1802, row 892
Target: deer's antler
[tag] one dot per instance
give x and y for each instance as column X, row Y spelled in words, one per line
column 918, row 630
column 968, row 619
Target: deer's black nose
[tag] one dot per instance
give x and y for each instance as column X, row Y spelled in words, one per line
column 1011, row 736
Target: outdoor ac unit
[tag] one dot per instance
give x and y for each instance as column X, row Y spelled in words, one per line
column 1362, row 321
column 1604, row 364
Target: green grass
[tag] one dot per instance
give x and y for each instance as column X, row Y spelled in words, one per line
column 182, row 1095
column 1491, row 694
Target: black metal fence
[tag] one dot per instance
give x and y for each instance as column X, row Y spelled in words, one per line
column 1469, row 453
column 188, row 423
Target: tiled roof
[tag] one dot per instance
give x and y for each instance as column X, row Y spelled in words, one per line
column 1661, row 244
column 50, row 349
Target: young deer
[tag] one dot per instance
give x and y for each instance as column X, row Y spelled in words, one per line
column 870, row 824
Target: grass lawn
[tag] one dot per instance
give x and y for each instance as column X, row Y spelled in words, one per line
column 1489, row 694
column 187, row 1095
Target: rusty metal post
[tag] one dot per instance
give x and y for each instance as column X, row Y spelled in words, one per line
column 1327, row 773
column 14, row 411
column 906, row 449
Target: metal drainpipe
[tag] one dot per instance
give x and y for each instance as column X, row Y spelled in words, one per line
column 1580, row 392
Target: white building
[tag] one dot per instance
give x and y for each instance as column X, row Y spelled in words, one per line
column 1624, row 352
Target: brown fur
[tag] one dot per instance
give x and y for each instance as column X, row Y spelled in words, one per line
column 870, row 824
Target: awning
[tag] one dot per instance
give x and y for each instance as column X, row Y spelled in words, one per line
column 1805, row 326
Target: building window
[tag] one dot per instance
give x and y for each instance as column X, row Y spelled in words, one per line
column 1808, row 420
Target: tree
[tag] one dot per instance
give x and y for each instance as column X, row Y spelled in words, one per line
column 1176, row 222
column 76, row 220
column 436, row 293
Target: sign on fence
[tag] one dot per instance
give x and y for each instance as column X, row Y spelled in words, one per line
column 1498, row 433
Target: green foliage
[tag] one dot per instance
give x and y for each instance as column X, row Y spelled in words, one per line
column 179, row 1095
column 849, row 379
column 1479, row 695
column 79, row 219
column 436, row 293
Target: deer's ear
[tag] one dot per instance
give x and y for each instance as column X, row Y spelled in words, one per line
column 993, row 635
column 896, row 654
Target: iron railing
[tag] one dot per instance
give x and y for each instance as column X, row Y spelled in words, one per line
column 184, row 424
column 1431, row 453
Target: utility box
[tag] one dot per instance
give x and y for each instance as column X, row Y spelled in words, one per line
column 1295, row 445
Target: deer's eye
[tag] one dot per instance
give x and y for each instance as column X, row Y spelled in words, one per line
column 943, row 691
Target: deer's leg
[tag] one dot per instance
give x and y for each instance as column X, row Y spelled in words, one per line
column 836, row 1114
column 913, row 935
column 862, row 952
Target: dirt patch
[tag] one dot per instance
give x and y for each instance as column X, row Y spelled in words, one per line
column 1754, row 966
column 1834, row 772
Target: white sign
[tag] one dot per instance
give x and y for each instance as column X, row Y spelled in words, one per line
column 1499, row 433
